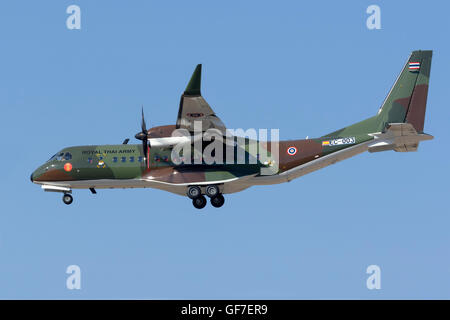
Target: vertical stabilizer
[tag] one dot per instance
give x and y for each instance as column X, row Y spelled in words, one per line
column 406, row 102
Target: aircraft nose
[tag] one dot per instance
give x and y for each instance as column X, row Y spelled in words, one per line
column 31, row 178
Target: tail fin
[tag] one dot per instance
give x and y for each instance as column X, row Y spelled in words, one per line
column 406, row 102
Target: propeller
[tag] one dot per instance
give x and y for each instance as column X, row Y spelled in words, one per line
column 143, row 136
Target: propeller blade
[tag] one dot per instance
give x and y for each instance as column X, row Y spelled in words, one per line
column 146, row 150
column 143, row 135
column 143, row 126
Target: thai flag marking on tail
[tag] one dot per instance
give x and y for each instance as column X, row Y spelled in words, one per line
column 414, row 66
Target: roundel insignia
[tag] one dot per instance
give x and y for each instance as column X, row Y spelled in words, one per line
column 291, row 151
column 68, row 167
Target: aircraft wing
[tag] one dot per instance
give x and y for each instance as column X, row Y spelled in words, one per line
column 194, row 108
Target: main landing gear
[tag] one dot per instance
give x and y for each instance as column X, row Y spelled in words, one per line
column 199, row 201
column 217, row 201
column 67, row 198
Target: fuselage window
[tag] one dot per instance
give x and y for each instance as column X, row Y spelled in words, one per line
column 165, row 159
column 131, row 159
column 156, row 158
column 89, row 160
column 115, row 159
column 140, row 159
column 124, row 159
column 67, row 156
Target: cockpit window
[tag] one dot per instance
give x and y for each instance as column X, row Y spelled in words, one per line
column 67, row 156
column 61, row 156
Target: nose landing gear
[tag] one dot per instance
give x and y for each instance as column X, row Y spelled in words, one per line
column 67, row 198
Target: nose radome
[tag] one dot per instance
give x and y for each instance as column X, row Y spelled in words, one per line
column 31, row 178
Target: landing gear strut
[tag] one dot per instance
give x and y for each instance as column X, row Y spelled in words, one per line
column 67, row 198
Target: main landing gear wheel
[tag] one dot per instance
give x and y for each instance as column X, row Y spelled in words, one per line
column 217, row 201
column 199, row 202
column 212, row 191
column 194, row 192
column 67, row 198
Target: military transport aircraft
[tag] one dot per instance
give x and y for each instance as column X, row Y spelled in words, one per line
column 397, row 126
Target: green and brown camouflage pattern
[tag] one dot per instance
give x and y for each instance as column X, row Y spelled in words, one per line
column 406, row 102
column 98, row 162
column 193, row 107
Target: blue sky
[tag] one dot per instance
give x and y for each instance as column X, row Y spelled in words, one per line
column 306, row 68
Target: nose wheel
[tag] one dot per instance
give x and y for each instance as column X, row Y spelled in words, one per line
column 67, row 198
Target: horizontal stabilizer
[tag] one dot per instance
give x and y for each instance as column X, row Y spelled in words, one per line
column 400, row 137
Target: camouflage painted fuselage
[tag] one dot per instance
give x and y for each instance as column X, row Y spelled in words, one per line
column 397, row 126
column 123, row 166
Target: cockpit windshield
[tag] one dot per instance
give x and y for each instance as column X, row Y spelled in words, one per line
column 61, row 156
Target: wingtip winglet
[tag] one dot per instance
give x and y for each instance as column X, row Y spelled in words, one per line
column 193, row 87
